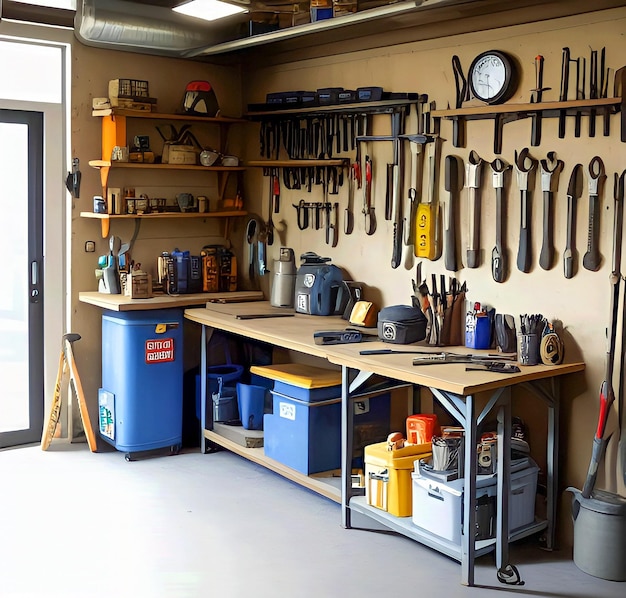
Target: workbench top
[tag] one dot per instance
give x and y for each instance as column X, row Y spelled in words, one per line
column 123, row 303
column 296, row 333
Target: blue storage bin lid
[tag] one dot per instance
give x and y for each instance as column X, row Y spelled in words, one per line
column 144, row 317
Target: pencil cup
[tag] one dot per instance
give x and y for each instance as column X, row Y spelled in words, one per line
column 528, row 349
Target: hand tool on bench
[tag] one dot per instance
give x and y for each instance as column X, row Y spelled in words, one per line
column 438, row 355
column 426, row 217
column 535, row 98
column 574, row 190
column 473, row 171
column 499, row 257
column 462, row 94
column 592, row 258
column 550, row 170
column 452, row 185
column 565, row 60
column 607, row 395
column 500, row 368
column 524, row 165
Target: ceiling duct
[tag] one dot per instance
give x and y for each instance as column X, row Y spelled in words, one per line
column 148, row 29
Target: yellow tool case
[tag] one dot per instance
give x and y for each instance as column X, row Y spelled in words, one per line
column 388, row 483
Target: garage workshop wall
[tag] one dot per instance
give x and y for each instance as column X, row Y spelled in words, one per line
column 581, row 303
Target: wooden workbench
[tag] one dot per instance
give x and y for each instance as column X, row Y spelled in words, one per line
column 452, row 387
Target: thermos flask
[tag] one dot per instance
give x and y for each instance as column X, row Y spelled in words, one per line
column 284, row 281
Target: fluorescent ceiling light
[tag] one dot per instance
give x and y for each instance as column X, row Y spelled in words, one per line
column 209, row 10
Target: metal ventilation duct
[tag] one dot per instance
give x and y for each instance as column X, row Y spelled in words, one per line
column 148, row 29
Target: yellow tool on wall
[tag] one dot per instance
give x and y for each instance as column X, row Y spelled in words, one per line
column 427, row 239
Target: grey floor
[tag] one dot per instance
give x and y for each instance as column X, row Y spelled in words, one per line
column 76, row 524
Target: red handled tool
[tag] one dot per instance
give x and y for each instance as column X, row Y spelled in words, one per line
column 607, row 395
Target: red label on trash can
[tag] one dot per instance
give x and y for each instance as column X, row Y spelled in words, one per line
column 159, row 350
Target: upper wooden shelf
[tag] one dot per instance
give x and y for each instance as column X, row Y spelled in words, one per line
column 159, row 166
column 218, row 120
column 297, row 163
column 490, row 110
column 380, row 106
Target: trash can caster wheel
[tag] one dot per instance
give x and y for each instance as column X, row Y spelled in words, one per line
column 175, row 449
column 128, row 457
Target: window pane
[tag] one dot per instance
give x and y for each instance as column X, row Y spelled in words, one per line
column 14, row 409
column 30, row 72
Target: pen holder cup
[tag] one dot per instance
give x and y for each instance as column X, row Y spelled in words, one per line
column 528, row 349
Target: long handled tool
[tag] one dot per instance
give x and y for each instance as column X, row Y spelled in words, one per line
column 535, row 98
column 607, row 395
column 472, row 182
column 550, row 170
column 67, row 364
column 499, row 261
column 426, row 220
column 524, row 165
column 574, row 190
column 592, row 259
column 452, row 183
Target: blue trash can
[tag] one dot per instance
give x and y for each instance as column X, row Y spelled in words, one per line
column 141, row 399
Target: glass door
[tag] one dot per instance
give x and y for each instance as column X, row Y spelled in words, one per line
column 21, row 294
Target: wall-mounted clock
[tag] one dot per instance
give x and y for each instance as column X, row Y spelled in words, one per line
column 493, row 77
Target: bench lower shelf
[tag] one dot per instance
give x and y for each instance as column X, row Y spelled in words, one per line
column 406, row 527
column 327, row 484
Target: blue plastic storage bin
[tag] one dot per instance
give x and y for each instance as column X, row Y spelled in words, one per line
column 304, row 436
column 141, row 399
column 230, row 373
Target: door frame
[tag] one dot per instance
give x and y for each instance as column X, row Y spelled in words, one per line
column 57, row 203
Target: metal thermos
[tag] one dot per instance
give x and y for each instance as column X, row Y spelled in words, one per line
column 284, row 281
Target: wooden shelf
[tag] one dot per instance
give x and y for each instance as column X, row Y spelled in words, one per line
column 159, row 166
column 378, row 107
column 478, row 112
column 218, row 120
column 297, row 163
column 105, row 219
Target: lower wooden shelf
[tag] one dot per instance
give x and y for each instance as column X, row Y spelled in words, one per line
column 327, row 484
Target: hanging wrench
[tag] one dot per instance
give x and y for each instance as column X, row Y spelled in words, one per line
column 592, row 259
column 524, row 165
column 499, row 262
column 550, row 169
column 472, row 182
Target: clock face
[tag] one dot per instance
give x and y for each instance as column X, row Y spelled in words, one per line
column 491, row 77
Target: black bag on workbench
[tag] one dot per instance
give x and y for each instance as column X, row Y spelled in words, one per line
column 401, row 324
column 319, row 288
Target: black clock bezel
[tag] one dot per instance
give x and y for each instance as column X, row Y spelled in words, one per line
column 510, row 77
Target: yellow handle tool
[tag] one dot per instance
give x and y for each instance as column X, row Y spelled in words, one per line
column 426, row 237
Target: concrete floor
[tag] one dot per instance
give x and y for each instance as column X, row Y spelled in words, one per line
column 77, row 524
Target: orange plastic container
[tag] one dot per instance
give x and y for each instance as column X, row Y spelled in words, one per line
column 421, row 427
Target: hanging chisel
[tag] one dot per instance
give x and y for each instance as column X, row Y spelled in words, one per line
column 581, row 72
column 565, row 60
column 550, row 170
column 452, row 183
column 535, row 98
column 473, row 172
column 574, row 190
column 593, row 90
column 592, row 258
column 524, row 165
column 499, row 258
